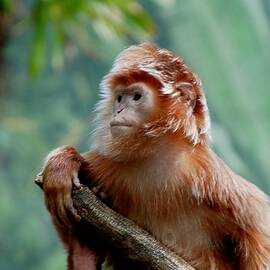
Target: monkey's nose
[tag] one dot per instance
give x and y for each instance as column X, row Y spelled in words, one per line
column 120, row 110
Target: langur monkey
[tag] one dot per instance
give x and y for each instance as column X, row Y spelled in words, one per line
column 153, row 159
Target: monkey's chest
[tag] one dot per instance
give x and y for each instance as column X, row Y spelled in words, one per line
column 158, row 201
column 178, row 230
column 183, row 232
column 165, row 215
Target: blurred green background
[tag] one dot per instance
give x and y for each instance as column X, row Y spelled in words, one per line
column 53, row 55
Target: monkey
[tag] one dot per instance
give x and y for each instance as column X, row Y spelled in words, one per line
column 152, row 157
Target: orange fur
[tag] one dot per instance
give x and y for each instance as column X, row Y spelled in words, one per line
column 166, row 177
column 193, row 208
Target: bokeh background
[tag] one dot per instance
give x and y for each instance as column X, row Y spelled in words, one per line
column 53, row 55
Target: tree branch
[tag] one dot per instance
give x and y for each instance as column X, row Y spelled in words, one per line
column 123, row 235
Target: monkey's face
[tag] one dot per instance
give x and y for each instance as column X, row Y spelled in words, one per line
column 149, row 94
column 133, row 105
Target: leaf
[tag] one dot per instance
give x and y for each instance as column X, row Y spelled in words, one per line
column 58, row 49
column 85, row 24
column 6, row 6
column 37, row 55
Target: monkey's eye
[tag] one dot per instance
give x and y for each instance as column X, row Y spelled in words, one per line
column 137, row 96
column 119, row 98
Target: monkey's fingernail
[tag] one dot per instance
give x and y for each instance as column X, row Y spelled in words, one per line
column 76, row 181
column 74, row 213
column 39, row 178
column 95, row 189
column 77, row 218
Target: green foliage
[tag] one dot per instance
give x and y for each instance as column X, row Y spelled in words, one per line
column 226, row 42
column 5, row 6
column 56, row 24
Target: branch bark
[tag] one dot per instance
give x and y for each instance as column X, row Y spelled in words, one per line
column 123, row 235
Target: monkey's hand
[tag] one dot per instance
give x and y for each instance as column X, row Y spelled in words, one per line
column 58, row 176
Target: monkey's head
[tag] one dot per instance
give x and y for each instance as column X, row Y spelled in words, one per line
column 148, row 94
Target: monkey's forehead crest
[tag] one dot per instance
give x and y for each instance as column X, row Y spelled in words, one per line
column 162, row 64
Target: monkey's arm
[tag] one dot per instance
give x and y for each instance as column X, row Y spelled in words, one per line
column 59, row 175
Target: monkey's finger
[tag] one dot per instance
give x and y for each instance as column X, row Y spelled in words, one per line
column 53, row 205
column 72, row 213
column 58, row 211
column 61, row 210
column 50, row 196
column 97, row 188
column 58, row 223
column 99, row 191
column 102, row 195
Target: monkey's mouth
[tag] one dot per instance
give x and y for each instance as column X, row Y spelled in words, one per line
column 120, row 124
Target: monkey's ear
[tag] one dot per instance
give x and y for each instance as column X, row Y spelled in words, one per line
column 187, row 93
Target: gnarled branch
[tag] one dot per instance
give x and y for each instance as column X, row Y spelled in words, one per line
column 123, row 235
